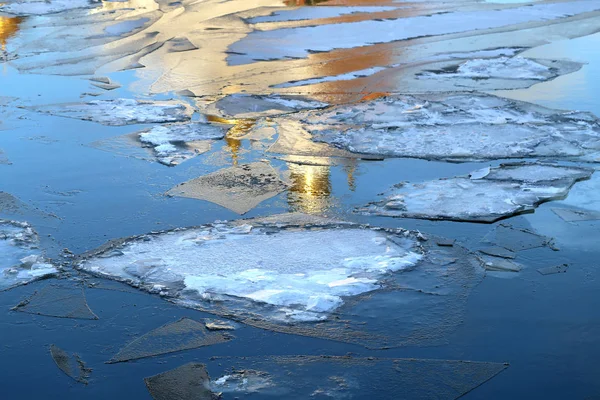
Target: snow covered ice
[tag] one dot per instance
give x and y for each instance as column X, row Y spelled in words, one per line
column 21, row 260
column 452, row 127
column 487, row 195
column 222, row 262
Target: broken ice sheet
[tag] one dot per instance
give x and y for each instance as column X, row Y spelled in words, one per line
column 188, row 382
column 239, row 188
column 453, row 127
column 575, row 215
column 71, row 365
column 501, row 192
column 516, row 239
column 58, row 300
column 506, row 68
column 285, row 274
column 121, row 111
column 21, row 260
column 184, row 334
column 175, row 143
column 499, row 264
column 305, row 377
column 3, row 159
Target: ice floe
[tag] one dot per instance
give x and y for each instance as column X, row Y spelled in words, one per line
column 121, row 111
column 254, row 106
column 452, row 127
column 239, row 188
column 284, row 274
column 506, row 68
column 189, row 381
column 22, row 260
column 497, row 193
column 42, row 7
column 175, row 143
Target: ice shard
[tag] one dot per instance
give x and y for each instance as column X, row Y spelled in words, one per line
column 497, row 193
column 121, row 111
column 451, row 127
column 189, row 382
column 60, row 301
column 288, row 274
column 184, row 334
column 71, row 365
column 21, row 259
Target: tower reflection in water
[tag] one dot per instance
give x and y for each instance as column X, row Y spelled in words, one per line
column 9, row 26
column 311, row 187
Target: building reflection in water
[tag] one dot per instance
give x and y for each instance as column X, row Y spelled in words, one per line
column 311, row 187
column 9, row 26
column 238, row 130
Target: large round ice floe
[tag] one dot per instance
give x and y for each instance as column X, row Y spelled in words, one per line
column 285, row 275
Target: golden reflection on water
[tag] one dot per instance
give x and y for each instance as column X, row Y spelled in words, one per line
column 310, row 190
column 233, row 137
column 9, row 26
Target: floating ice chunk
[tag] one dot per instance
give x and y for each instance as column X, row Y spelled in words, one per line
column 239, row 188
column 245, row 381
column 253, row 106
column 172, row 143
column 454, row 127
column 60, row 301
column 121, row 111
column 506, row 190
column 41, row 7
column 21, row 260
column 184, row 334
column 501, row 68
column 290, row 274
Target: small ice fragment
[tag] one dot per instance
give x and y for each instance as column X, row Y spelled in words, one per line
column 557, row 269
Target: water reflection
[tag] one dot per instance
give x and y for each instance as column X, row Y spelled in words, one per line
column 310, row 190
column 239, row 129
column 9, row 26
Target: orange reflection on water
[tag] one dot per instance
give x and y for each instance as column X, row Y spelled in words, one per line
column 9, row 26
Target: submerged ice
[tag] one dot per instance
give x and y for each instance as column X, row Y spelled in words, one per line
column 21, row 260
column 296, row 274
column 453, row 127
column 486, row 195
column 42, row 7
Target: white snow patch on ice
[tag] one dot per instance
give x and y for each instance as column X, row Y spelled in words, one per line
column 499, row 68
